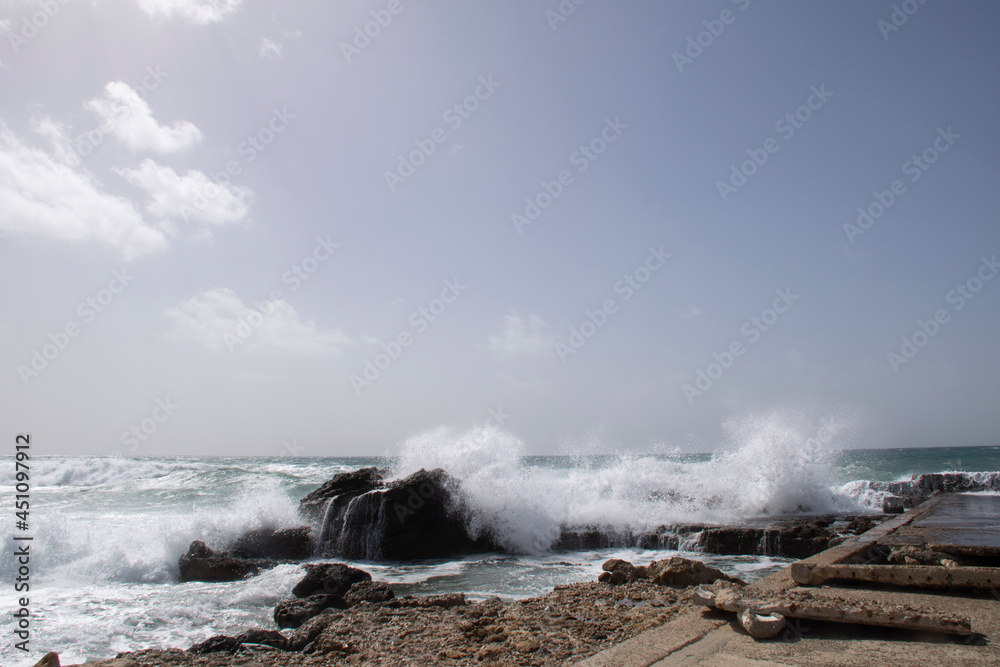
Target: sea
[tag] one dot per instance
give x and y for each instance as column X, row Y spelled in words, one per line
column 108, row 531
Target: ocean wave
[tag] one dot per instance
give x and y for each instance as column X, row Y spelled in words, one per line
column 94, row 471
column 774, row 466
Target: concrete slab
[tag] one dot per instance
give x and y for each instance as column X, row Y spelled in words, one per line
column 711, row 639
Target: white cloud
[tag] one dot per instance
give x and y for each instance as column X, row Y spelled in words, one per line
column 128, row 117
column 193, row 195
column 220, row 321
column 521, row 337
column 269, row 48
column 41, row 194
column 201, row 12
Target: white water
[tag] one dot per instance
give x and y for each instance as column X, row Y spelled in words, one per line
column 775, row 468
column 108, row 532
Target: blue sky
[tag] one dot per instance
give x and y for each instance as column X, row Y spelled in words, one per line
column 230, row 158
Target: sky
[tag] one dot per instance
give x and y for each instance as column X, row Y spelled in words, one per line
column 319, row 229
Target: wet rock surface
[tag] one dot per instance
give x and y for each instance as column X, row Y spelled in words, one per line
column 346, row 485
column 329, row 578
column 274, row 544
column 202, row 563
column 415, row 518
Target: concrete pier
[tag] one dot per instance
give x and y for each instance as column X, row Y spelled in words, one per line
column 966, row 527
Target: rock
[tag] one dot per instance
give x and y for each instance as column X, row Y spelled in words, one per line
column 368, row 591
column 271, row 638
column 293, row 612
column 329, row 578
column 269, row 543
column 49, row 660
column 917, row 556
column 222, row 643
column 445, row 601
column 795, row 539
column 680, row 572
column 860, row 524
column 346, row 484
column 216, row 644
column 418, row 517
column 310, row 630
column 201, row 563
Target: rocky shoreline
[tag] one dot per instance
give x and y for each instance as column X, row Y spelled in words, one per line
column 338, row 616
column 569, row 624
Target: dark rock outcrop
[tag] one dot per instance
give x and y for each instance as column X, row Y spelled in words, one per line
column 329, row 579
column 270, row 543
column 201, row 563
column 418, row 517
column 787, row 538
column 222, row 643
column 329, row 586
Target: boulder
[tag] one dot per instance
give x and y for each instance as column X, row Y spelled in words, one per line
column 222, row 643
column 418, row 517
column 369, row 591
column 201, row 563
column 675, row 572
column 329, row 579
column 680, row 572
column 289, row 544
column 293, row 612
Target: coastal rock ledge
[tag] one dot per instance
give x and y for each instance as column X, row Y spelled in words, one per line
column 572, row 622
